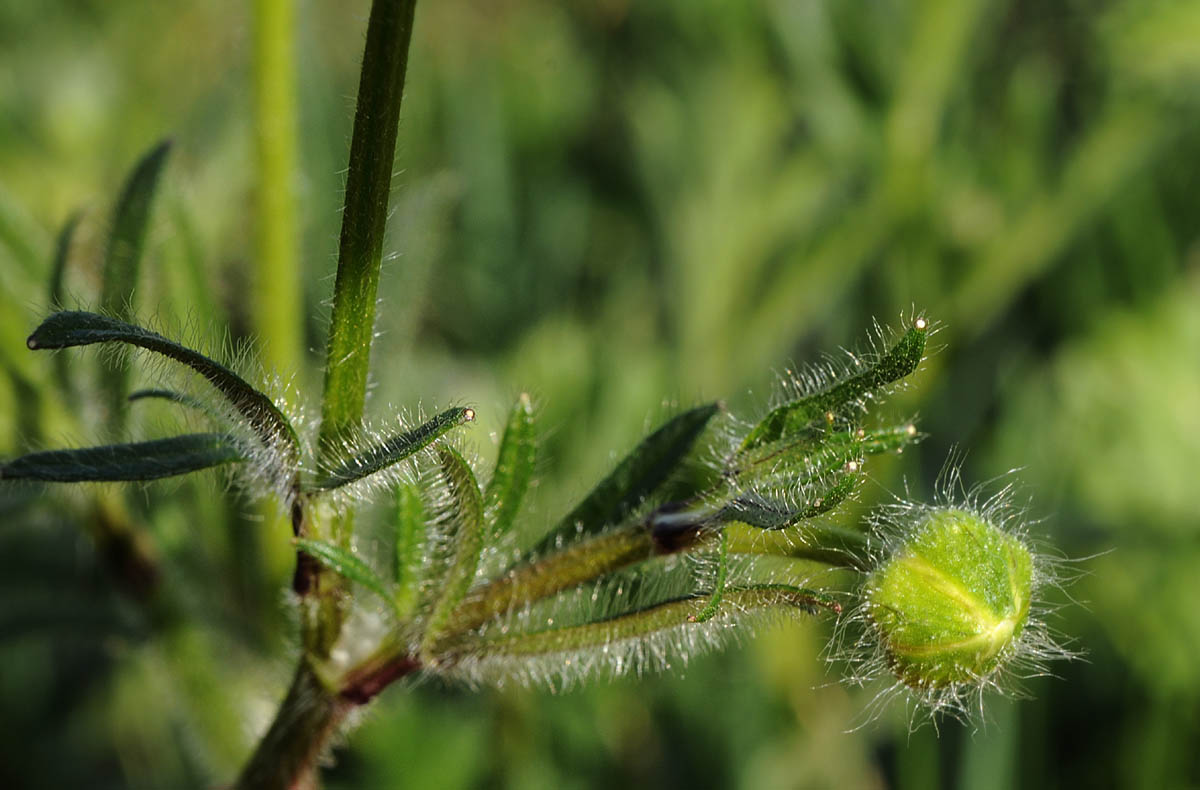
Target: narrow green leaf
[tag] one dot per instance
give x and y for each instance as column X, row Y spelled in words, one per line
column 394, row 450
column 514, row 469
column 77, row 328
column 58, row 272
column 899, row 361
column 467, row 540
column 825, row 471
column 410, row 535
column 61, row 253
column 817, row 451
column 718, row 593
column 345, row 564
column 889, row 440
column 136, row 461
column 635, row 478
column 128, row 234
column 777, row 484
column 638, row 625
column 123, row 261
column 768, row 513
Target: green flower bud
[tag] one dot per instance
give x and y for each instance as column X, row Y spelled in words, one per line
column 950, row 604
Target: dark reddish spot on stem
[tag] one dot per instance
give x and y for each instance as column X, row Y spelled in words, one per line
column 361, row 690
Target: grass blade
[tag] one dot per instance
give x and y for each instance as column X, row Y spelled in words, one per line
column 514, row 469
column 73, row 328
column 135, row 461
column 394, row 450
column 635, row 478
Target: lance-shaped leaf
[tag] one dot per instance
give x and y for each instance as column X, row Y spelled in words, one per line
column 783, row 482
column 893, row 365
column 638, row 641
column 132, row 214
column 514, row 469
column 393, row 450
column 889, row 440
column 345, row 564
column 77, row 328
column 410, row 534
column 123, row 262
column 821, row 479
column 635, row 478
column 766, row 512
column 58, row 276
column 62, row 250
column 718, row 593
column 467, row 541
column 135, row 461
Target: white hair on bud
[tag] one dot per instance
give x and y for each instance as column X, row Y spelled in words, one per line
column 857, row 645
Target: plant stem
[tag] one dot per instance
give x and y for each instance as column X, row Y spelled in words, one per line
column 575, row 565
column 286, row 758
column 368, row 185
column 830, row 545
column 288, row 755
column 360, row 250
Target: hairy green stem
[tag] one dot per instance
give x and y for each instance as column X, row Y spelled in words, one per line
column 360, row 249
column 286, row 756
column 583, row 562
column 368, row 185
column 829, row 545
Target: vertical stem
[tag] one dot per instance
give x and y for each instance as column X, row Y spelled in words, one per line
column 360, row 249
column 368, row 185
column 286, row 758
column 277, row 289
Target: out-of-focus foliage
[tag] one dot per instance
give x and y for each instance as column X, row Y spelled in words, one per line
column 612, row 204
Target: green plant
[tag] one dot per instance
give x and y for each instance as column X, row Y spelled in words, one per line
column 660, row 561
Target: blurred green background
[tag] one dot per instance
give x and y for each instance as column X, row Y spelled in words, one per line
column 623, row 206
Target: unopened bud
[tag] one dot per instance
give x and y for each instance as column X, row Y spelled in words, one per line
column 950, row 604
